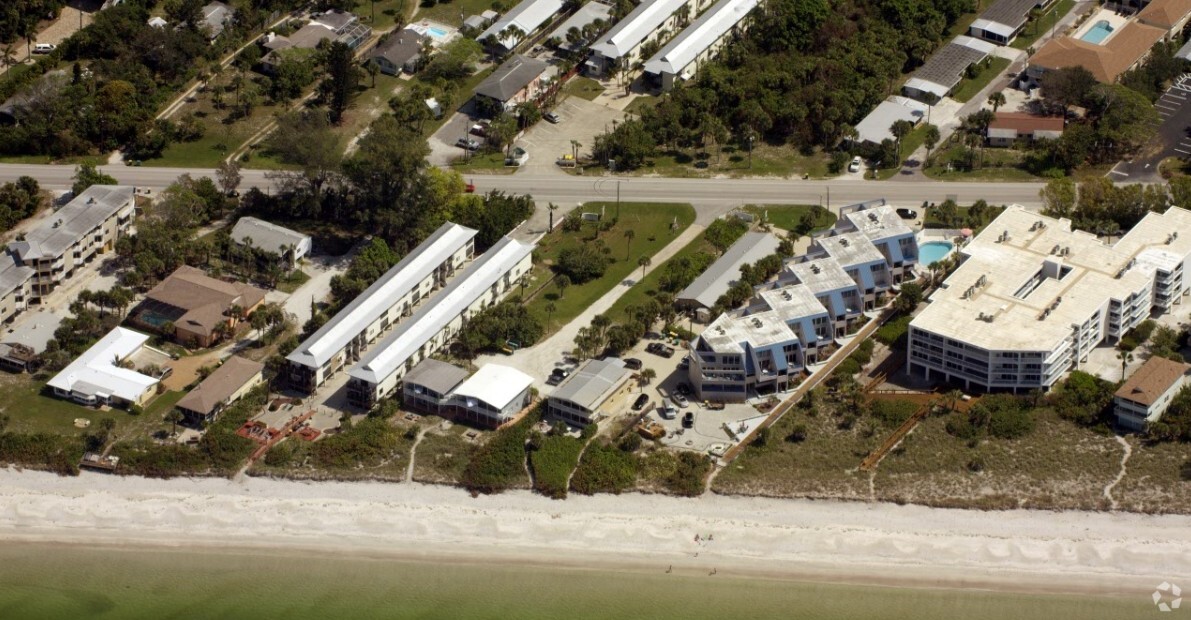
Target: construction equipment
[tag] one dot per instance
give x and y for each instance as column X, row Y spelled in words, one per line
column 650, row 429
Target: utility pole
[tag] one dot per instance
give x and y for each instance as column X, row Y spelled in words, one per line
column 618, row 200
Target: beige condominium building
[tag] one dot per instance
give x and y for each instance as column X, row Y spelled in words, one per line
column 1033, row 297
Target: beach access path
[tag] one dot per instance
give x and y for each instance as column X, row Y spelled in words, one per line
column 1016, row 550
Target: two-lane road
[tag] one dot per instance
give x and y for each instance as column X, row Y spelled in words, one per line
column 566, row 190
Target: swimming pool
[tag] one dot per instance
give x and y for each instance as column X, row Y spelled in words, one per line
column 1096, row 34
column 437, row 33
column 933, row 251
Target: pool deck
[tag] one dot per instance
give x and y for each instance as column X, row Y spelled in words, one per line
column 1116, row 22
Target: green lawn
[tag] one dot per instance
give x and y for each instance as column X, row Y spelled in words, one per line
column 649, row 286
column 971, row 87
column 222, row 135
column 583, row 87
column 641, row 103
column 1043, row 24
column 492, row 162
column 449, row 12
column 31, row 411
column 909, row 144
column 95, row 160
column 787, row 217
column 387, row 13
column 650, row 223
column 964, row 218
column 295, row 279
column 999, row 164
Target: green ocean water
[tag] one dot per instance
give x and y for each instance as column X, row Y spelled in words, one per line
column 80, row 583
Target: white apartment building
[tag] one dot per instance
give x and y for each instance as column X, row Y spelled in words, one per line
column 651, row 21
column 886, row 230
column 343, row 339
column 680, row 58
column 73, row 235
column 1033, row 297
column 482, row 285
column 1148, row 393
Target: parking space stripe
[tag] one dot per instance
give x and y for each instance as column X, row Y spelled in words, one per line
column 1182, row 151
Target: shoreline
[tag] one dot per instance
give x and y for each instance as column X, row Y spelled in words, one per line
column 810, row 541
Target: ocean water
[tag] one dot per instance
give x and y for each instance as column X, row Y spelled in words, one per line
column 80, row 583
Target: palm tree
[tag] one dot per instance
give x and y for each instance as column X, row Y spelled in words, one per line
column 575, row 146
column 930, row 140
column 8, row 57
column 562, row 282
column 553, row 207
column 643, row 262
column 628, row 243
column 647, row 375
column 996, row 100
column 550, row 310
column 953, row 397
column 1126, row 358
column 173, row 417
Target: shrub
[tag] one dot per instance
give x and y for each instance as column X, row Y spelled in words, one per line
column 797, row 434
column 893, row 333
column 501, row 462
column 369, row 441
column 893, row 412
column 1010, row 422
column 552, row 459
column 581, row 264
column 687, row 479
column 606, row 469
column 56, row 453
column 848, row 367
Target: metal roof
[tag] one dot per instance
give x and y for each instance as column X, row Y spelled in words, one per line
column 73, row 222
column 494, row 384
column 945, row 68
column 95, row 371
column 267, row 236
column 436, row 375
column 529, row 15
column 587, row 14
column 713, row 24
column 1010, row 13
column 724, row 272
column 390, row 354
column 378, row 298
column 634, row 27
column 12, row 274
column 593, row 383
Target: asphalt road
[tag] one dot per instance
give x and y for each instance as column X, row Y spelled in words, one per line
column 565, row 190
column 1172, row 140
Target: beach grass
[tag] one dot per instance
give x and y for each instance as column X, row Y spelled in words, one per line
column 442, row 455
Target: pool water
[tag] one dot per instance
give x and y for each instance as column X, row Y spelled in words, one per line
column 437, row 33
column 1096, row 34
column 933, row 251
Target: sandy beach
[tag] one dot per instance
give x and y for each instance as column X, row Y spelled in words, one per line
column 1027, row 551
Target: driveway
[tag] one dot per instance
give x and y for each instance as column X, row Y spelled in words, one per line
column 1172, row 139
column 320, row 269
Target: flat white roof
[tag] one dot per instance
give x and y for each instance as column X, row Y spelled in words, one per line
column 875, row 127
column 95, row 371
column 529, row 15
column 879, row 223
column 494, row 384
column 378, row 298
column 386, row 357
column 696, row 38
column 850, row 249
column 638, row 24
column 729, row 332
column 793, row 302
column 1094, row 273
column 993, row 27
column 822, row 275
column 724, row 272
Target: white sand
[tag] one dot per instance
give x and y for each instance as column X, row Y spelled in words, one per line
column 814, row 540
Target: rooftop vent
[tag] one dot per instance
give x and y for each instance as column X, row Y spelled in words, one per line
column 1055, row 250
column 873, row 217
column 815, row 269
column 91, row 200
column 756, row 322
column 1170, row 238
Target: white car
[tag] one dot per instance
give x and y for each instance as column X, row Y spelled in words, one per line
column 855, row 165
column 667, row 411
column 44, row 48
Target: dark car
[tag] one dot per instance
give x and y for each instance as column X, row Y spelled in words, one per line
column 684, row 388
column 666, row 351
column 685, row 363
column 688, row 420
column 632, row 363
column 552, row 117
column 639, row 404
column 907, row 214
column 655, row 348
column 557, row 375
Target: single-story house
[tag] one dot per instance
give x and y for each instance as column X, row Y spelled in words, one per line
column 522, row 21
column 874, row 128
column 1003, row 20
column 97, row 378
column 1126, row 48
column 1170, row 15
column 586, row 15
column 492, row 396
column 290, row 246
column 578, row 399
column 516, row 81
column 1007, row 127
column 333, row 25
column 1147, row 394
column 216, row 17
column 229, row 383
column 481, row 21
column 400, row 51
column 428, row 386
column 942, row 72
column 196, row 305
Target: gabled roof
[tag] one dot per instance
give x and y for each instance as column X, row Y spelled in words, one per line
column 12, row 274
column 1105, row 62
column 216, row 15
column 368, row 306
column 528, row 16
column 724, row 272
column 71, row 223
column 593, row 383
column 630, row 31
column 494, row 384
column 1152, row 380
column 713, row 24
column 587, row 14
column 234, row 374
column 1165, row 13
column 511, row 77
column 266, row 236
column 95, row 372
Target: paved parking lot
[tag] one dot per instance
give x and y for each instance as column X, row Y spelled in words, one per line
column 581, row 120
column 1172, row 140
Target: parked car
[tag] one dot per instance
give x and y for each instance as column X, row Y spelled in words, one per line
column 855, row 165
column 667, row 411
column 557, row 376
column 552, row 117
column 632, row 363
column 654, row 347
column 688, row 420
column 640, row 403
column 684, row 388
column 679, row 400
column 479, row 130
column 44, row 48
column 666, row 351
column 685, row 363
column 470, row 144
column 907, row 214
